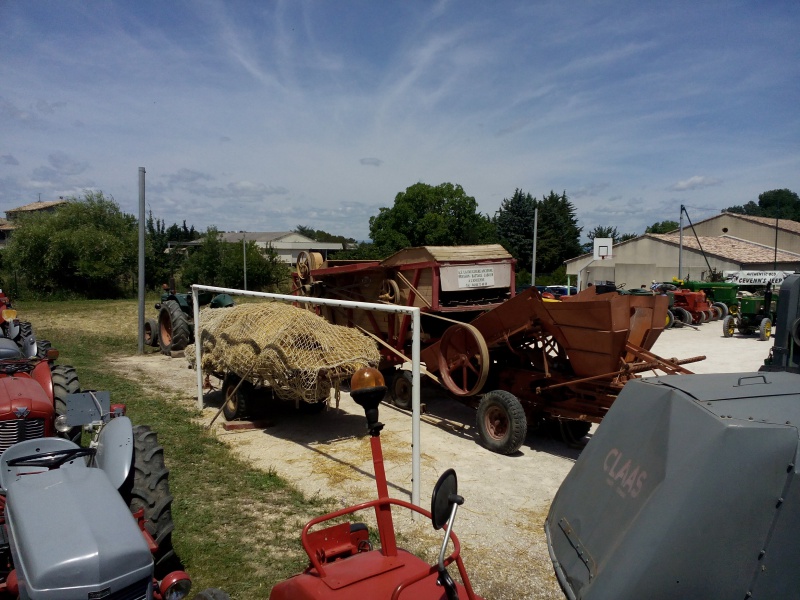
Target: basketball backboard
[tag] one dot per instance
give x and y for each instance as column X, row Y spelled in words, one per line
column 602, row 248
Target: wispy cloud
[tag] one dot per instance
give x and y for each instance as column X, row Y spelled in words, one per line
column 694, row 183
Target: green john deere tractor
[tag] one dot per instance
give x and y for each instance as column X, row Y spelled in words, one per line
column 754, row 314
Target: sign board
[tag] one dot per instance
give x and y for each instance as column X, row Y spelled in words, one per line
column 476, row 276
column 756, row 277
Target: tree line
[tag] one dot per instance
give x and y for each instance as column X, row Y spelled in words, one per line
column 89, row 247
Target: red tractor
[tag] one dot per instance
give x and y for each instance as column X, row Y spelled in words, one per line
column 343, row 563
column 33, row 394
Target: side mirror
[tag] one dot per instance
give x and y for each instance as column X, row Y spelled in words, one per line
column 441, row 499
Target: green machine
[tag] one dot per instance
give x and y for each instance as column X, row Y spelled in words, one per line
column 721, row 294
column 755, row 314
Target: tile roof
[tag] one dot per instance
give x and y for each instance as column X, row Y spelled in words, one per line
column 785, row 224
column 730, row 248
column 253, row 236
column 36, row 206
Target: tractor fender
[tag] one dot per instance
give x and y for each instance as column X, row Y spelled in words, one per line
column 115, row 450
column 13, row 329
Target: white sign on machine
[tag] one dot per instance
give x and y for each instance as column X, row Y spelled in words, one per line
column 475, row 277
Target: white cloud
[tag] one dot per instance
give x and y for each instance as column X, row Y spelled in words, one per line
column 694, row 183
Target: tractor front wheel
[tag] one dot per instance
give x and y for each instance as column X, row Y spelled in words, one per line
column 722, row 307
column 173, row 327
column 65, row 382
column 147, row 487
column 765, row 330
column 502, row 424
column 151, row 332
column 684, row 315
column 670, row 320
column 728, row 326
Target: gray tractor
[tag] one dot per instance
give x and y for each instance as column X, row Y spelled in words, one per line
column 91, row 522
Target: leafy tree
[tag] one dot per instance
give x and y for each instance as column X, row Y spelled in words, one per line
column 87, row 247
column 606, row 231
column 219, row 263
column 783, row 204
column 426, row 215
column 662, row 227
column 163, row 258
column 627, row 236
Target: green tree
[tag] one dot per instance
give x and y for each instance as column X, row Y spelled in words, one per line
column 163, row 255
column 662, row 227
column 783, row 204
column 88, row 247
column 323, row 236
column 219, row 263
column 514, row 224
column 425, row 215
column 558, row 232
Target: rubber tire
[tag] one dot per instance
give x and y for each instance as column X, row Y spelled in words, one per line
column 42, row 346
column 25, row 331
column 400, row 390
column 147, row 487
column 65, row 382
column 670, row 320
column 795, row 332
column 569, row 431
column 765, row 330
column 151, row 332
column 174, row 332
column 728, row 326
column 684, row 315
column 505, row 406
column 212, row 594
column 718, row 314
column 723, row 307
column 237, row 408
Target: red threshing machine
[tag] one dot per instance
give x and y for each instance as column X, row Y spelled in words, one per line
column 520, row 359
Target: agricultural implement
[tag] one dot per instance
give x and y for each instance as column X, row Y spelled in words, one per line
column 342, row 561
column 689, row 489
column 523, row 360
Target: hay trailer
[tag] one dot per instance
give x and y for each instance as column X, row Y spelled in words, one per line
column 519, row 359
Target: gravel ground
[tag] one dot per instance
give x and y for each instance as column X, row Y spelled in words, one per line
column 507, row 497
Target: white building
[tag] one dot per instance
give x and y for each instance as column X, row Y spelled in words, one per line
column 729, row 242
column 286, row 244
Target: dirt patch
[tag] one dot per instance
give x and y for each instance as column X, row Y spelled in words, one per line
column 507, row 497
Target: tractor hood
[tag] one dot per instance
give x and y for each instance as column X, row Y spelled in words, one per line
column 688, row 489
column 69, row 529
column 23, row 397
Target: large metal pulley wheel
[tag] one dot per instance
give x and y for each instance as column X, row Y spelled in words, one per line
column 390, row 291
column 307, row 262
column 463, row 360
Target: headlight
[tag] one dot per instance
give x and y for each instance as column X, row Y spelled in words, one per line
column 9, row 314
column 61, row 424
column 175, row 586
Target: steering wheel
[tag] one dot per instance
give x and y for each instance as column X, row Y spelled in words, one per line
column 51, row 460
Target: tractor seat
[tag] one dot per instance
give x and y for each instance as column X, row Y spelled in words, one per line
column 9, row 350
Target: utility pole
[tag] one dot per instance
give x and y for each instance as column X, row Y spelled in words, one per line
column 680, row 247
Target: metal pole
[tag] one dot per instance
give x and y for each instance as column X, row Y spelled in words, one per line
column 244, row 260
column 140, row 345
column 680, row 247
column 533, row 260
column 775, row 260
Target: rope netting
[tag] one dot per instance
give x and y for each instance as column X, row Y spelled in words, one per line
column 299, row 354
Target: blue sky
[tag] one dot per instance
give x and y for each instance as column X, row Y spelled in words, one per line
column 262, row 116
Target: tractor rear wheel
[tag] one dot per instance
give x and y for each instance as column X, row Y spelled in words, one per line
column 151, row 332
column 728, row 326
column 173, row 327
column 765, row 330
column 65, row 382
column 401, row 390
column 502, row 424
column 235, row 398
column 147, row 487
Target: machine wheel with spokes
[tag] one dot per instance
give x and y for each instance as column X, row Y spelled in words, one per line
column 463, row 359
column 728, row 326
column 765, row 329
